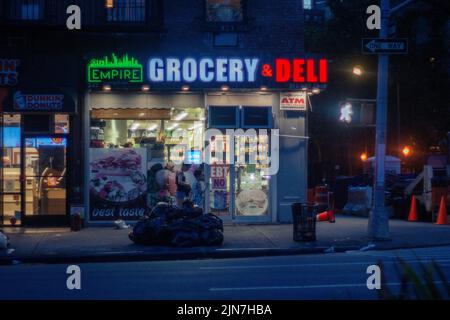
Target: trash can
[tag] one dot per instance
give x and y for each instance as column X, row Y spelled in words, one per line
column 304, row 221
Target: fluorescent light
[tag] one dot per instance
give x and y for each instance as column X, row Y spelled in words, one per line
column 134, row 126
column 180, row 116
column 141, row 114
column 195, row 126
column 106, row 87
column 173, row 126
column 152, row 127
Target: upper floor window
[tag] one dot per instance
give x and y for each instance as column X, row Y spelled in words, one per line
column 27, row 9
column 224, row 10
column 307, row 4
column 125, row 10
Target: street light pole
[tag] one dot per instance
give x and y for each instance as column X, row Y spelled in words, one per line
column 379, row 218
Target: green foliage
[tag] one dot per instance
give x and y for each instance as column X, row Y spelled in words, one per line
column 417, row 285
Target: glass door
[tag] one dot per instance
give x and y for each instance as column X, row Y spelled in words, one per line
column 10, row 169
column 44, row 173
column 251, row 179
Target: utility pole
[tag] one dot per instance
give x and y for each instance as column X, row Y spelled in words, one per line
column 378, row 228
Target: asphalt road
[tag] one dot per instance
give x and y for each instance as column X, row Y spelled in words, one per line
column 320, row 276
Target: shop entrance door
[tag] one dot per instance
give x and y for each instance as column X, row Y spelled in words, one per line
column 44, row 179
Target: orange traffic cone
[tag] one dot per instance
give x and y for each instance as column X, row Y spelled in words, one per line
column 326, row 216
column 413, row 216
column 442, row 215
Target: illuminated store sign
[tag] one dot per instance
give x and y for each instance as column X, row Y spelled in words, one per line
column 240, row 71
column 38, row 100
column 236, row 70
column 116, row 69
column 8, row 72
column 204, row 70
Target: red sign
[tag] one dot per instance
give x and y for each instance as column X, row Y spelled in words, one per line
column 299, row 70
column 219, row 171
column 219, row 183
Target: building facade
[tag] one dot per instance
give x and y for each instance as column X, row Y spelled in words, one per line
column 113, row 118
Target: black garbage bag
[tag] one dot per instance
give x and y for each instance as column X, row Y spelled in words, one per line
column 174, row 214
column 161, row 209
column 210, row 221
column 139, row 235
column 190, row 210
column 151, row 231
column 186, row 238
column 211, row 237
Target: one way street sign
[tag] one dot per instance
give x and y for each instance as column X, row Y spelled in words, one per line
column 386, row 46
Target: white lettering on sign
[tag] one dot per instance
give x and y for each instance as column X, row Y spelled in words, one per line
column 205, row 69
column 218, row 171
column 47, row 102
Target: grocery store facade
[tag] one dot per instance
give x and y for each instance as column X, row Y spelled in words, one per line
column 100, row 121
column 151, row 117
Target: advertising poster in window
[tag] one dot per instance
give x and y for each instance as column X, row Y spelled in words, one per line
column 118, row 184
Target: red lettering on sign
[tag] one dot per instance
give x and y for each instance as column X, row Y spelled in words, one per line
column 299, row 70
column 323, row 71
column 310, row 74
column 283, row 70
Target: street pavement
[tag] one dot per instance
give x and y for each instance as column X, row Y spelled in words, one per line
column 96, row 244
column 318, row 276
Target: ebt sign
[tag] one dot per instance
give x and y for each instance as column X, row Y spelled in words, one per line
column 236, row 146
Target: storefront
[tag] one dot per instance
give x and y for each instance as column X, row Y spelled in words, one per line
column 35, row 151
column 36, row 142
column 152, row 122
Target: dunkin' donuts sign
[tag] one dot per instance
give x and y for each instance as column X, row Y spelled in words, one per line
column 38, row 102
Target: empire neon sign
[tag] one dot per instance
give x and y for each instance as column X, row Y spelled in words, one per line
column 114, row 69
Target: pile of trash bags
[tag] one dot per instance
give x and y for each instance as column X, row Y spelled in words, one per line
column 180, row 227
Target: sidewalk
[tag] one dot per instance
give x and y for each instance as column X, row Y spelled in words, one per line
column 50, row 245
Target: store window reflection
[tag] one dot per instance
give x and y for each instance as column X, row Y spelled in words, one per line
column 168, row 142
column 251, row 178
column 11, row 170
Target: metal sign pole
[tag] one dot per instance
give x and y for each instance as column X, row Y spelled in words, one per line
column 378, row 228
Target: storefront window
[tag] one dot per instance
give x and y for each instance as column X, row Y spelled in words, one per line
column 62, row 123
column 251, row 176
column 11, row 169
column 224, row 10
column 144, row 153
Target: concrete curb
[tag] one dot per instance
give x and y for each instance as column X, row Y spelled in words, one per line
column 200, row 253
column 194, row 253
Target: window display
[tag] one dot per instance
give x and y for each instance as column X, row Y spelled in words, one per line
column 167, row 143
column 11, row 169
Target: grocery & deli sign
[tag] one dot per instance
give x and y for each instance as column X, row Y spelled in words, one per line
column 209, row 71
